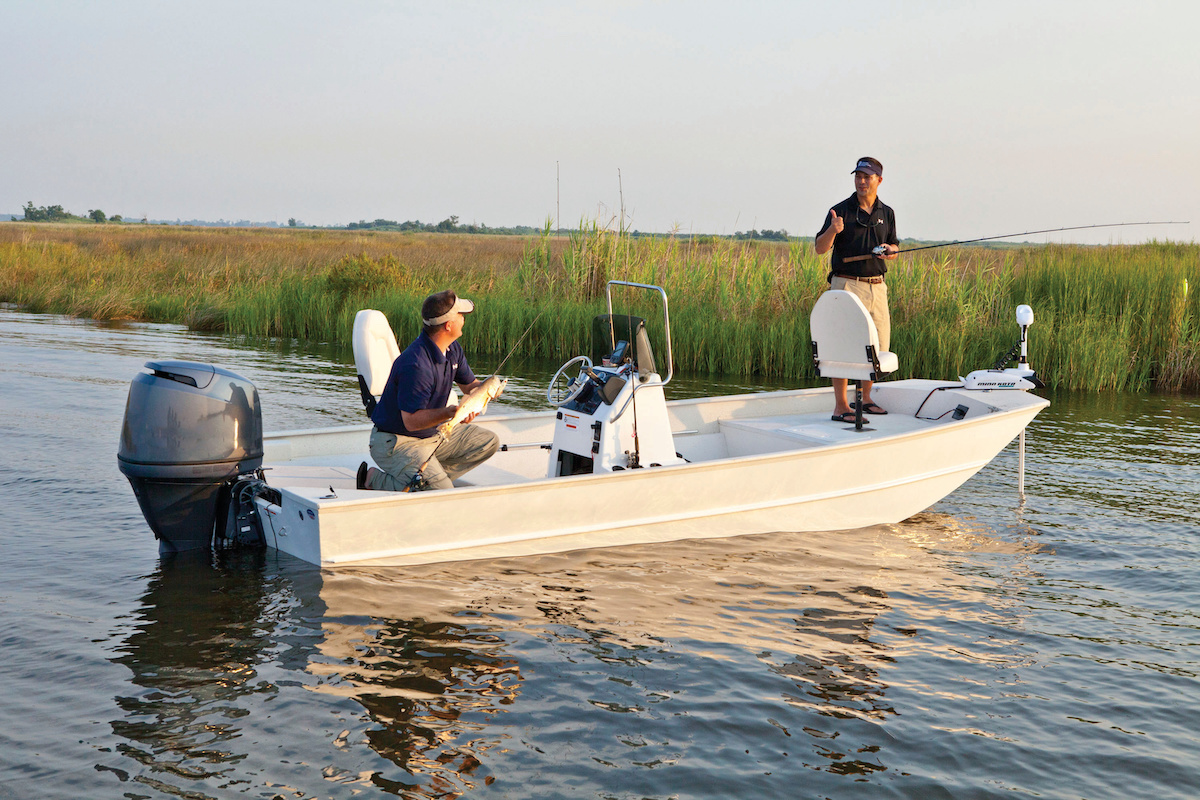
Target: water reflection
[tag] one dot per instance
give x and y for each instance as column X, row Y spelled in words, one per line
column 487, row 656
column 1137, row 461
column 218, row 641
column 736, row 665
column 426, row 686
column 205, row 627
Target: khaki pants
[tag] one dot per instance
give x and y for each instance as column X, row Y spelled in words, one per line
column 399, row 457
column 874, row 298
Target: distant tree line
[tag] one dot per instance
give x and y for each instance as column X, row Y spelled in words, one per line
column 220, row 223
column 780, row 235
column 59, row 214
column 46, row 213
column 448, row 225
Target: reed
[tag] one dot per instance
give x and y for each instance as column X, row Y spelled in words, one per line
column 1113, row 317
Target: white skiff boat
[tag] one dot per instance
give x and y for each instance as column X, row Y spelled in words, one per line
column 614, row 463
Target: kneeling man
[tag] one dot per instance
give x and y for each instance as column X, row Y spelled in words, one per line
column 413, row 404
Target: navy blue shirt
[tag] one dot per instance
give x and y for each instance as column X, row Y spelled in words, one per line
column 862, row 234
column 421, row 378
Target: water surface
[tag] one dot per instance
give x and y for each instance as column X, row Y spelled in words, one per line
column 982, row 649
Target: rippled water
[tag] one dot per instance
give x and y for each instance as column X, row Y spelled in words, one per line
column 981, row 649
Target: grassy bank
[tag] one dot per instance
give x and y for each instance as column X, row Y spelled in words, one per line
column 1114, row 317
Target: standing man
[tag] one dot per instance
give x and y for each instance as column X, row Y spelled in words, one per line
column 413, row 404
column 856, row 227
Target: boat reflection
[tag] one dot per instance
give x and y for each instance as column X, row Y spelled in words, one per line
column 426, row 684
column 795, row 619
column 435, row 681
column 205, row 629
column 219, row 642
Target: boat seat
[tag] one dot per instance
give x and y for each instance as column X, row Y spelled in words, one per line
column 375, row 349
column 845, row 343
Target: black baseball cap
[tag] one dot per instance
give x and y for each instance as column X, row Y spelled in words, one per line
column 869, row 165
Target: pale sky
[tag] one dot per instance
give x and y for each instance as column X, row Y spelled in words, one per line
column 990, row 117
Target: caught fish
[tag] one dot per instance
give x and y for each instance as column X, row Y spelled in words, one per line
column 475, row 403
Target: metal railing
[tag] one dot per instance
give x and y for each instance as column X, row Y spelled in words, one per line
column 666, row 334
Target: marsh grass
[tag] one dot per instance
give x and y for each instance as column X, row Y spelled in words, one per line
column 1115, row 317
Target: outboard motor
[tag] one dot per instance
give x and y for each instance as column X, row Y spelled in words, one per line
column 190, row 441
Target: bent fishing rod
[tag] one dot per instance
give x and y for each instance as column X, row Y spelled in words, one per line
column 878, row 251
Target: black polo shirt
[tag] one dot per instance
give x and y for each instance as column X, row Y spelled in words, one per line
column 421, row 378
column 862, row 234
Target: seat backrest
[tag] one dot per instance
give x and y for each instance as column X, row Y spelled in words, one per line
column 374, row 351
column 842, row 327
column 841, row 330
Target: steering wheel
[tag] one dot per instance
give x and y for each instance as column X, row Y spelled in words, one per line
column 564, row 389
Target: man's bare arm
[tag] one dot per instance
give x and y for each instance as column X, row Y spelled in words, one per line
column 426, row 418
column 825, row 240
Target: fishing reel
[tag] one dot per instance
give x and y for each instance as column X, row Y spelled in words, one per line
column 418, row 482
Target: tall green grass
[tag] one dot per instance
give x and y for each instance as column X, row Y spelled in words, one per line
column 1114, row 317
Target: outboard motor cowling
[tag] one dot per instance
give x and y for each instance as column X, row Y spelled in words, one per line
column 190, row 430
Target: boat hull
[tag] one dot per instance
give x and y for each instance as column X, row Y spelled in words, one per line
column 780, row 466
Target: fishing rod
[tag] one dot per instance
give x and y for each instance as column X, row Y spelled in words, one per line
column 882, row 248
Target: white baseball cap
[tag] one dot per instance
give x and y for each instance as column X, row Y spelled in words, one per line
column 461, row 306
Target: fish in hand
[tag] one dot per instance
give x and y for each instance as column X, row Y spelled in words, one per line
column 475, row 403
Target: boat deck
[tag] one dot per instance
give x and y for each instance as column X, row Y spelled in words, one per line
column 335, row 472
column 801, row 431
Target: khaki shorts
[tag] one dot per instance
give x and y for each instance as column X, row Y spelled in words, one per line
column 874, row 298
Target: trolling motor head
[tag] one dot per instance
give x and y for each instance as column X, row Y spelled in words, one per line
column 1024, row 318
column 1021, row 376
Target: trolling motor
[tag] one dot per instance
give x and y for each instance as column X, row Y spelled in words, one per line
column 1021, row 376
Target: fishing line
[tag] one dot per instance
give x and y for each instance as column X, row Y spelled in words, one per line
column 520, row 339
column 1009, row 235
